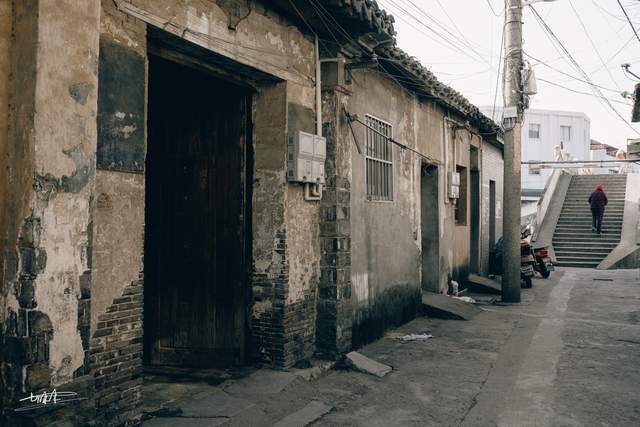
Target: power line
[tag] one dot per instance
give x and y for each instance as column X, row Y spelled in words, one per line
column 541, row 62
column 586, row 32
column 579, row 68
column 629, row 20
column 404, row 14
column 462, row 40
column 492, row 9
column 495, row 95
column 579, row 92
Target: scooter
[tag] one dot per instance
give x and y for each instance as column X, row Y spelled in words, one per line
column 544, row 266
column 527, row 259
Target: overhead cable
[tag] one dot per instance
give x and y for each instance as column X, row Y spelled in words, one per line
column 579, row 92
column 577, row 66
column 542, row 62
column 586, row 32
column 629, row 20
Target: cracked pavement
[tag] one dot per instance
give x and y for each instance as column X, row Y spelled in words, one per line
column 568, row 355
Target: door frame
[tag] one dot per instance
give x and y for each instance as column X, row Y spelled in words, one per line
column 246, row 176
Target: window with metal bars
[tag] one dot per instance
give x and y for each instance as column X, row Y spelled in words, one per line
column 378, row 159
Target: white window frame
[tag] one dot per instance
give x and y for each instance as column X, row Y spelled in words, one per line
column 378, row 160
column 562, row 133
column 539, row 128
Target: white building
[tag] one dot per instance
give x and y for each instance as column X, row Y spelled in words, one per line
column 600, row 151
column 542, row 131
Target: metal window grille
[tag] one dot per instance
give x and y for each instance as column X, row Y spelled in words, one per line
column 534, row 131
column 379, row 159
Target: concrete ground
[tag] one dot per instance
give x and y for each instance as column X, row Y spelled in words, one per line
column 568, row 355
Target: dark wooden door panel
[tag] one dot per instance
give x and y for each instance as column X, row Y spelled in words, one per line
column 194, row 256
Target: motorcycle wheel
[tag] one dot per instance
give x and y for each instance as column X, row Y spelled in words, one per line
column 527, row 282
column 544, row 272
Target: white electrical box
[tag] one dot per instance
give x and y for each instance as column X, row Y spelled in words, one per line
column 454, row 185
column 306, row 155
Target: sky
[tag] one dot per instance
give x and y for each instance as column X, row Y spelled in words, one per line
column 459, row 40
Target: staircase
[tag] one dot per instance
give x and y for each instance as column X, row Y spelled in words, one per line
column 574, row 243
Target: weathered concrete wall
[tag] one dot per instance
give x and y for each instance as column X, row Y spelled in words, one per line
column 51, row 148
column 386, row 241
column 6, row 25
column 492, row 170
column 6, row 15
column 286, row 250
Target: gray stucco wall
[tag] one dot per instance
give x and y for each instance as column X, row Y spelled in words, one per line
column 386, row 239
column 492, row 170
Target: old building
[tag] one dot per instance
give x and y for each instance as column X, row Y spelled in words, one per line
column 148, row 218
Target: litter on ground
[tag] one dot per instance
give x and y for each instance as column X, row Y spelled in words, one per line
column 416, row 337
column 465, row 299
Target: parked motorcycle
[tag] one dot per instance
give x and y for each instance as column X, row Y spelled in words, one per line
column 527, row 259
column 544, row 266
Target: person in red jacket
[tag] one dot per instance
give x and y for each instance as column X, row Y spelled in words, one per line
column 598, row 201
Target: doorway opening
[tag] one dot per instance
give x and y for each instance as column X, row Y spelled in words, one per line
column 430, row 228
column 492, row 221
column 475, row 195
column 197, row 218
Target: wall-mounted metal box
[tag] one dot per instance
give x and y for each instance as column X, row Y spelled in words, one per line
column 306, row 157
column 453, row 192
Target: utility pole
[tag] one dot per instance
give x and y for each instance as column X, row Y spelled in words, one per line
column 514, row 110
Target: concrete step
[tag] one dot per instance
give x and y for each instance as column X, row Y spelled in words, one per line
column 585, row 201
column 587, row 229
column 581, row 264
column 572, row 215
column 584, row 244
column 578, row 233
column 577, row 197
column 596, row 180
column 586, row 192
column 581, row 256
column 585, row 239
column 580, row 211
column 587, row 224
column 575, row 249
column 446, row 307
column 595, row 261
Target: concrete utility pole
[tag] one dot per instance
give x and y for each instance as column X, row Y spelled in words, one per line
column 514, row 110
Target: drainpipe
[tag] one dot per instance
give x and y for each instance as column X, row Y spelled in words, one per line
column 318, row 90
column 313, row 192
column 445, row 152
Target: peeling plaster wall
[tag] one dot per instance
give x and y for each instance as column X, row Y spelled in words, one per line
column 65, row 138
column 286, row 251
column 118, row 221
column 6, row 17
column 118, row 237
column 51, row 158
column 386, row 236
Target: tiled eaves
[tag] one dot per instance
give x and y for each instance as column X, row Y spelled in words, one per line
column 447, row 95
column 366, row 11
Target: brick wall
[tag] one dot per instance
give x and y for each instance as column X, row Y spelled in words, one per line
column 334, row 317
column 116, row 357
column 269, row 296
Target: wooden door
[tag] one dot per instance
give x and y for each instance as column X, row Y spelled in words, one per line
column 195, row 275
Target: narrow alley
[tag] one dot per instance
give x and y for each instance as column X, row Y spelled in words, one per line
column 567, row 355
